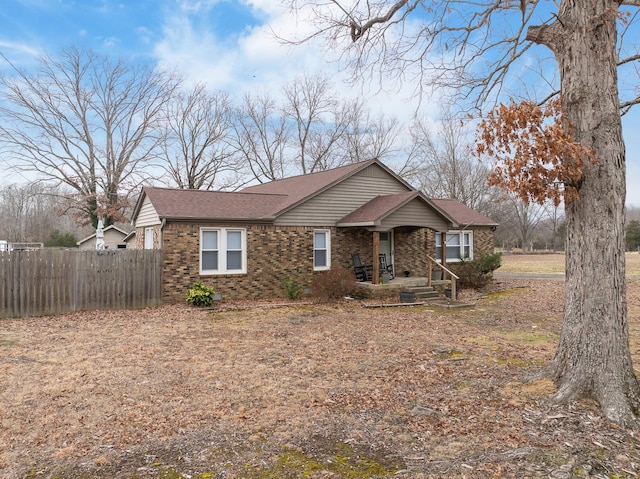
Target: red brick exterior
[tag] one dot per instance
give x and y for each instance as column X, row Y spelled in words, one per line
column 482, row 240
column 276, row 251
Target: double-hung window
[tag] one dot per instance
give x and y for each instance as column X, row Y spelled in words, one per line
column 223, row 251
column 459, row 245
column 321, row 250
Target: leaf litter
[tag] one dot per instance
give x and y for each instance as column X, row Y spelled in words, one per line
column 263, row 390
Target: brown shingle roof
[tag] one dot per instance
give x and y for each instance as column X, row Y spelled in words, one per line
column 184, row 204
column 462, row 214
column 301, row 187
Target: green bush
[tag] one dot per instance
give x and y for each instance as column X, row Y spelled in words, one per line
column 200, row 295
column 292, row 286
column 61, row 239
column 477, row 272
column 488, row 262
column 632, row 235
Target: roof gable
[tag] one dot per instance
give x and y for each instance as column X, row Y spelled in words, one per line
column 302, row 188
column 376, row 209
column 112, row 228
column 374, row 212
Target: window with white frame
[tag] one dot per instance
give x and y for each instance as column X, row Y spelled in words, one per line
column 148, row 238
column 223, row 251
column 321, row 250
column 459, row 245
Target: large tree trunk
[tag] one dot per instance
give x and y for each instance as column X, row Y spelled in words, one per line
column 593, row 358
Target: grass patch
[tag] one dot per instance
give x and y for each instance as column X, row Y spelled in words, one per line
column 554, row 263
column 533, row 337
column 498, row 295
column 344, row 462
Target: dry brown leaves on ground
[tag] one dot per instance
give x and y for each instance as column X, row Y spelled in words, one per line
column 303, row 390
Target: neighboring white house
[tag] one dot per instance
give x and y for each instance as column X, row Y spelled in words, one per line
column 113, row 238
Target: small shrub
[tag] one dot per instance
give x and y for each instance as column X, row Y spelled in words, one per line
column 200, row 295
column 292, row 286
column 61, row 239
column 334, row 284
column 488, row 262
column 470, row 275
column 477, row 273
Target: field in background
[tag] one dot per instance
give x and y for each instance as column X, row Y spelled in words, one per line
column 553, row 263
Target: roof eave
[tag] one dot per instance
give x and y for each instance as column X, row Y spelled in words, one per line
column 138, row 205
column 214, row 219
column 357, row 224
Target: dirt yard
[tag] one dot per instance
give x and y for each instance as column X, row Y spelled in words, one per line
column 303, row 390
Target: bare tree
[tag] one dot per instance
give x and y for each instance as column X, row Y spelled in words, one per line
column 443, row 166
column 525, row 218
column 472, row 45
column 314, row 109
column 261, row 137
column 367, row 136
column 28, row 213
column 196, row 140
column 633, row 213
column 555, row 216
column 85, row 121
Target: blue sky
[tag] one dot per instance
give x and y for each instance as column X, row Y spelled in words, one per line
column 227, row 44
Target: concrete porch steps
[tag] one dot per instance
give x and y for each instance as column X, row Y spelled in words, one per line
column 424, row 293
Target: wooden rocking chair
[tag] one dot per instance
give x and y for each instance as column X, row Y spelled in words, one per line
column 362, row 272
column 384, row 267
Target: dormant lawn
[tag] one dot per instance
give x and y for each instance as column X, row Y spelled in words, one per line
column 303, row 390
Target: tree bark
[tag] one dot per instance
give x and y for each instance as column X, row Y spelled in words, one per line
column 593, row 358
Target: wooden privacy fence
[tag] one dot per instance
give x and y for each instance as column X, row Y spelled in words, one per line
column 43, row 282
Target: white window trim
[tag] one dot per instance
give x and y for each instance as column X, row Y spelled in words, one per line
column 148, row 237
column 461, row 234
column 222, row 251
column 327, row 235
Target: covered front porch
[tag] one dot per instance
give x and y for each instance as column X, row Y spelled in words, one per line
column 393, row 237
column 438, row 279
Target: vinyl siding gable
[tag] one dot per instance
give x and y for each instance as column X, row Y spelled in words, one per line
column 329, row 206
column 147, row 216
column 416, row 213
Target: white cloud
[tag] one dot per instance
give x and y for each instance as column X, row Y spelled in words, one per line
column 21, row 48
column 257, row 60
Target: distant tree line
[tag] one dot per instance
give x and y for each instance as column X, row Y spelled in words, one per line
column 98, row 128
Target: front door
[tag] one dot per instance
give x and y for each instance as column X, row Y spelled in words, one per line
column 386, row 245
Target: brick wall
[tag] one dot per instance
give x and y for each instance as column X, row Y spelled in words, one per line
column 272, row 253
column 482, row 240
column 276, row 251
column 139, row 238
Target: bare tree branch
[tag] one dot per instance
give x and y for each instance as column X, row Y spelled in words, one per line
column 86, row 122
column 196, row 140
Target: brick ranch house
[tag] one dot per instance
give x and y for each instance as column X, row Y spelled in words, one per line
column 244, row 243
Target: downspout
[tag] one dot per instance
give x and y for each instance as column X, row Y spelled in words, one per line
column 164, row 222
